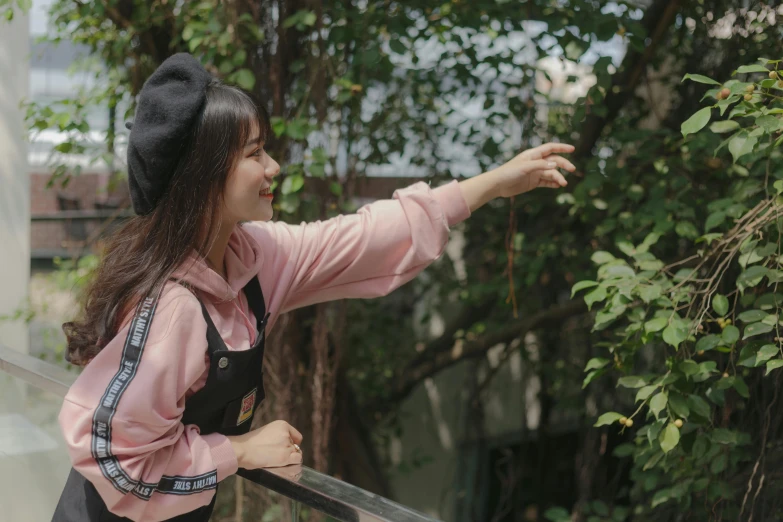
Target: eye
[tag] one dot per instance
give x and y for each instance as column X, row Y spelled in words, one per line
column 257, row 152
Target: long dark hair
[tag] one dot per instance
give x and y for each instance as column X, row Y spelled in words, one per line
column 142, row 255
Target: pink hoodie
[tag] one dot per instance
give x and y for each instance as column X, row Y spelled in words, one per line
column 364, row 255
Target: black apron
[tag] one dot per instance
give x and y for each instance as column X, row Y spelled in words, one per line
column 226, row 403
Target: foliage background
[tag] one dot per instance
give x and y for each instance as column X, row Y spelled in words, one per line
column 671, row 228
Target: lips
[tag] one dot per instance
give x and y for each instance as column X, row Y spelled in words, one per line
column 266, row 193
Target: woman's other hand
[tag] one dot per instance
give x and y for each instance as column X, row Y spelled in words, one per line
column 271, row 446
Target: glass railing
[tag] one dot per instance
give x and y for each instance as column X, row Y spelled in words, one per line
column 34, row 464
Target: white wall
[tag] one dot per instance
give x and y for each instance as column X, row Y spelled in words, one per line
column 14, row 180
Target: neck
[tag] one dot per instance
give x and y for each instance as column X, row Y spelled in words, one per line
column 217, row 253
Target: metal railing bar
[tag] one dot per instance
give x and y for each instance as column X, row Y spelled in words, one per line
column 333, row 497
column 40, row 374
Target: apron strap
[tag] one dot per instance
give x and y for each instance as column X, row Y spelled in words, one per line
column 214, row 341
column 255, row 300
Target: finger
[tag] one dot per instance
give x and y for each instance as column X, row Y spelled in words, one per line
column 554, row 148
column 554, row 176
column 282, row 456
column 549, row 184
column 295, row 458
column 562, row 163
column 540, row 164
column 296, row 437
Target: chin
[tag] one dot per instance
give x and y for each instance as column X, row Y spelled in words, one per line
column 265, row 213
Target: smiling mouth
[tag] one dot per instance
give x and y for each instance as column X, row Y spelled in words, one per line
column 266, row 193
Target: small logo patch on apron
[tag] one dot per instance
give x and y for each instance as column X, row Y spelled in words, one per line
column 248, row 403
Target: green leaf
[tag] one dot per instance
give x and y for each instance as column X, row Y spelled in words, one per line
column 730, row 334
column 752, row 276
column 289, row 203
column 752, row 316
column 675, row 333
column 245, row 79
column 239, row 57
column 658, row 403
column 644, row 392
column 708, row 342
column 631, row 381
column 557, row 514
column 724, row 436
column 651, row 292
column 581, row 285
column 678, row 405
column 397, row 46
column 699, row 406
column 700, row 446
column 756, row 329
column 608, row 418
column 601, row 257
column 278, row 126
column 689, row 367
column 615, row 272
column 656, row 325
column 720, row 304
column 686, row 229
column 741, row 387
column 624, row 450
column 741, row 144
column 335, row 188
column 699, row 78
column 774, row 364
column 719, row 127
column 593, row 375
column 669, row 437
column 713, row 220
column 317, row 170
column 661, row 496
column 769, row 123
column 599, row 294
column 755, row 68
column 297, row 129
column 718, row 464
column 292, row 184
column 766, row 352
column 709, row 238
column 595, row 363
column 319, row 155
column 696, row 122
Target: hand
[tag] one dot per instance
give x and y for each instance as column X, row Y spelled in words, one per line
column 532, row 169
column 270, row 446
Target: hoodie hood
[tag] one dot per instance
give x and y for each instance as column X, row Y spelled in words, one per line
column 243, row 262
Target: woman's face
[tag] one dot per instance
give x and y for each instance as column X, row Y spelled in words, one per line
column 247, row 195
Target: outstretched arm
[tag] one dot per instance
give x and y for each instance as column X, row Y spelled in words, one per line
column 387, row 243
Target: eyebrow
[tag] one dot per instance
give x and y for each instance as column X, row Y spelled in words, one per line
column 254, row 141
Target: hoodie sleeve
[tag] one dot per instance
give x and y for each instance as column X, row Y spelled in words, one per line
column 121, row 419
column 367, row 254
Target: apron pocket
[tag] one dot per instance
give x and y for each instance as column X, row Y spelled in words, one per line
column 240, row 411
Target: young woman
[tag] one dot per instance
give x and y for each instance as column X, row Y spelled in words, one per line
column 172, row 334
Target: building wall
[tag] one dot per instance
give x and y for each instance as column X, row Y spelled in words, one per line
column 14, row 181
column 47, row 236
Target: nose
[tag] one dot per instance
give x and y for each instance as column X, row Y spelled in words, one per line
column 272, row 168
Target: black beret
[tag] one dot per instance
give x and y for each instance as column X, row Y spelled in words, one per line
column 169, row 104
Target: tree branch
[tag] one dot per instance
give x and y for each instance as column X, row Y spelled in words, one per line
column 461, row 351
column 657, row 19
column 467, row 316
